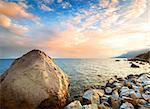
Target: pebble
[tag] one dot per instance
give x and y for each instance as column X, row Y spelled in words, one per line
column 92, row 96
column 108, row 90
column 126, row 105
column 74, row 105
column 131, row 92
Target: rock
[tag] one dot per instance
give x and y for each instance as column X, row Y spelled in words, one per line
column 124, row 91
column 126, row 105
column 34, row 81
column 141, row 63
column 74, row 105
column 145, row 57
column 90, row 106
column 108, row 90
column 144, row 79
column 133, row 101
column 137, row 88
column 104, row 106
column 115, row 95
column 134, row 65
column 143, row 107
column 117, row 60
column 117, row 85
column 146, row 96
column 115, row 103
column 92, row 96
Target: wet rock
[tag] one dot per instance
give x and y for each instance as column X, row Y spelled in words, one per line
column 74, row 105
column 142, row 63
column 92, row 96
column 34, row 81
column 134, row 65
column 126, row 105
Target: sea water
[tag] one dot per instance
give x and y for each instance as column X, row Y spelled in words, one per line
column 89, row 72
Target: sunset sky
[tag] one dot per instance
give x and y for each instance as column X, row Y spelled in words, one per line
column 74, row 28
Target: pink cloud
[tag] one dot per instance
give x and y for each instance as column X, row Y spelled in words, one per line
column 15, row 10
column 6, row 23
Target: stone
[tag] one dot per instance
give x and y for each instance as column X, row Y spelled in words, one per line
column 115, row 103
column 146, row 96
column 74, row 105
column 115, row 95
column 144, row 79
column 143, row 107
column 134, row 65
column 102, row 106
column 124, row 91
column 92, row 96
column 133, row 101
column 126, row 105
column 108, row 90
column 34, row 81
column 90, row 106
column 117, row 85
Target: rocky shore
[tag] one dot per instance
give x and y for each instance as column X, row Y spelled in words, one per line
column 131, row 92
column 145, row 57
column 34, row 81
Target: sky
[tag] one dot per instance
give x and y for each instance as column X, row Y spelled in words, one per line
column 74, row 28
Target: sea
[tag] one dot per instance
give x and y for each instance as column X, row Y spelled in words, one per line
column 86, row 73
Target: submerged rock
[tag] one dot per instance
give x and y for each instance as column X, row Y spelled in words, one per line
column 33, row 81
column 134, row 65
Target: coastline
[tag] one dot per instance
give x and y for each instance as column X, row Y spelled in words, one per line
column 131, row 92
column 35, row 72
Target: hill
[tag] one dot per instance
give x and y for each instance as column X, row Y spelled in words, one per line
column 132, row 54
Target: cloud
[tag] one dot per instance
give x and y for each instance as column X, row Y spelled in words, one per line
column 7, row 23
column 12, row 9
column 108, row 14
column 45, row 8
column 103, row 30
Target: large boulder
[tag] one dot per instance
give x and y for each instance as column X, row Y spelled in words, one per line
column 33, row 81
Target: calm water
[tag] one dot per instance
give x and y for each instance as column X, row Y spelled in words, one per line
column 89, row 72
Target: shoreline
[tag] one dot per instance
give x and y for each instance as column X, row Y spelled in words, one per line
column 118, row 92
